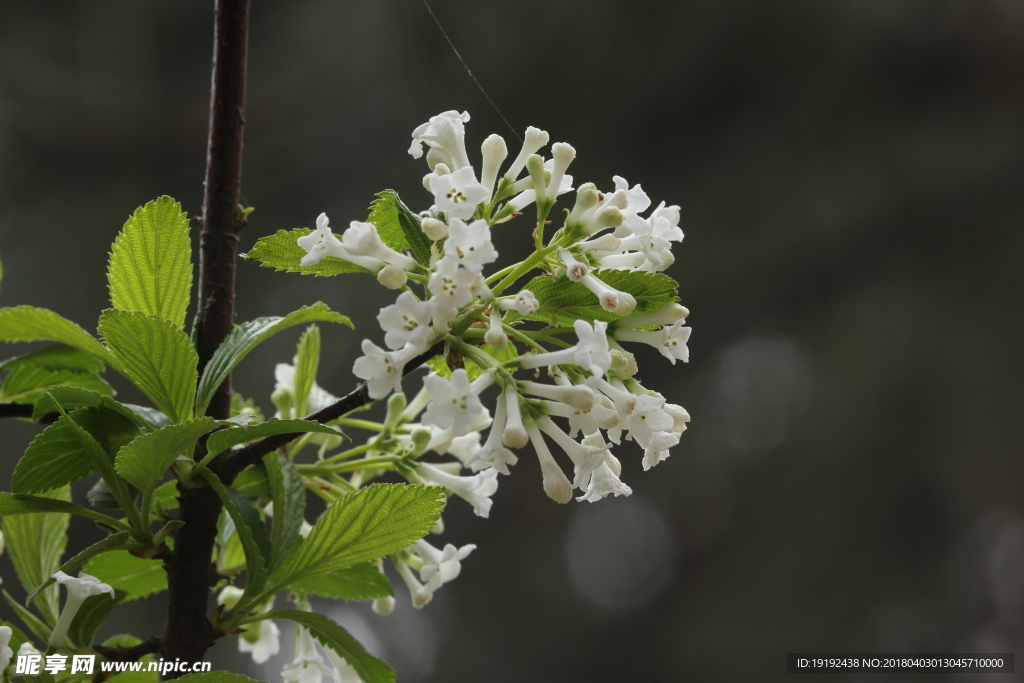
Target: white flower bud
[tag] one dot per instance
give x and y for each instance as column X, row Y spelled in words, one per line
column 494, row 152
column 434, row 229
column 392, row 276
column 534, row 140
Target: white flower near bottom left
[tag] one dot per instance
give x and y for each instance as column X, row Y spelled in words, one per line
column 78, row 590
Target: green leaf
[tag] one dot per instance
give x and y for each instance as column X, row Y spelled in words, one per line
column 387, row 211
column 282, row 252
column 307, row 360
column 91, row 615
column 439, row 365
column 501, row 355
column 27, row 323
column 331, row 635
column 229, row 438
column 57, row 457
column 27, row 382
column 362, row 526
column 245, row 406
column 150, row 268
column 165, row 497
column 358, row 582
column 144, row 460
column 77, row 397
column 110, row 542
column 247, row 336
column 289, row 496
column 22, row 504
column 156, row 356
column 34, row 623
column 57, row 357
column 35, row 543
column 563, row 301
column 250, row 529
column 216, row 677
column 138, row 578
column 252, row 482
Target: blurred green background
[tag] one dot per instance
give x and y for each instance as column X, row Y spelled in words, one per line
column 850, row 174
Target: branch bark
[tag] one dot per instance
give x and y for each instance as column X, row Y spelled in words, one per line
column 189, row 633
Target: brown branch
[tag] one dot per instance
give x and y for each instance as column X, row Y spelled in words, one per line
column 189, row 632
column 229, row 466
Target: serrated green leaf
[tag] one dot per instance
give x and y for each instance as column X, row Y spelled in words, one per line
column 251, row 532
column 165, row 497
column 56, row 357
column 144, row 461
column 362, row 526
column 307, row 361
column 216, row 677
column 27, row 323
column 150, row 267
column 125, row 572
column 110, row 542
column 289, row 496
column 439, row 366
column 388, row 208
column 156, row 356
column 78, row 397
column 247, row 336
column 252, row 482
column 34, row 623
column 242, row 406
column 24, row 504
column 281, row 251
column 27, row 382
column 35, row 543
column 358, row 582
column 563, row 301
column 57, row 457
column 370, row 669
column 384, row 216
column 228, row 438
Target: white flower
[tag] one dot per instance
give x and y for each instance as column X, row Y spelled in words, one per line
column 669, row 340
column 470, row 245
column 604, row 482
column 525, row 303
column 562, row 155
column 445, row 132
column 262, row 639
column 78, row 590
column 493, row 453
column 574, row 270
column 417, row 591
column 540, row 175
column 556, row 484
column 679, row 417
column 392, row 276
column 495, row 336
column 476, row 490
column 494, row 152
column 579, row 396
column 457, row 193
column 453, row 286
column 647, row 418
column 514, row 435
column 454, row 404
column 666, row 314
column 407, row 321
column 362, row 239
column 382, row 369
column 631, row 202
column 440, row 566
column 322, row 242
column 6, row 653
column 657, row 448
column 343, row 671
column 590, row 353
column 611, row 299
column 586, row 458
column 307, row 666
column 532, row 142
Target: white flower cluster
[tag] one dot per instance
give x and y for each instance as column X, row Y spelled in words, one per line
column 588, row 381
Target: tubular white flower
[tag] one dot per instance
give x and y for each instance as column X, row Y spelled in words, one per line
column 6, row 653
column 666, row 314
column 590, row 421
column 407, row 321
column 434, row 229
column 343, row 671
column 666, row 222
column 587, row 199
column 417, row 591
column 440, row 566
column 78, row 590
column 605, row 242
column 656, row 250
column 632, row 202
column 262, row 640
column 529, row 195
column 648, row 418
column 494, row 152
column 382, row 369
column 658, row 449
column 476, row 490
column 679, row 417
column 307, row 666
column 562, row 155
column 495, row 336
column 611, row 299
column 628, row 261
column 454, row 404
column 586, row 458
column 447, row 132
column 532, row 142
column 525, row 303
column 556, row 484
column 362, row 239
column 392, row 276
column 493, row 453
column 515, row 435
column 590, row 353
column 470, row 245
column 322, row 242
column 669, row 340
column 574, row 270
column 579, row 396
column 535, row 167
column 458, row 193
column 453, row 286
column 604, row 482
column 602, row 219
